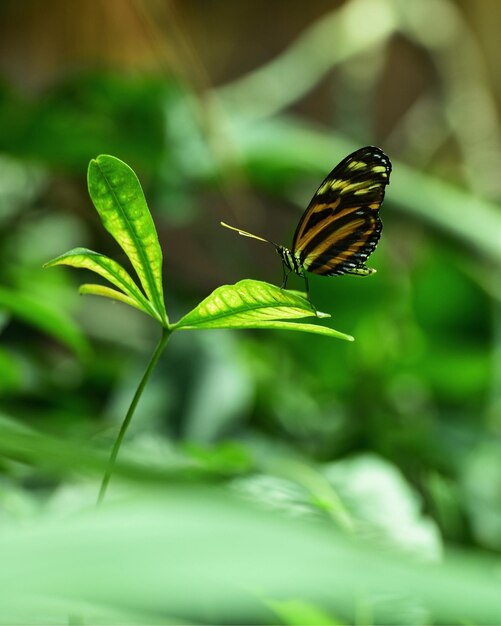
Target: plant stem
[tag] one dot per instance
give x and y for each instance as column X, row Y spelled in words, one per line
column 128, row 417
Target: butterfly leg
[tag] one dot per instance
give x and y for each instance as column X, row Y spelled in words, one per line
column 285, row 276
column 306, row 286
column 307, row 289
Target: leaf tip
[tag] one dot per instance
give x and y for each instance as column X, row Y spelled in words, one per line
column 98, row 161
column 51, row 263
column 322, row 315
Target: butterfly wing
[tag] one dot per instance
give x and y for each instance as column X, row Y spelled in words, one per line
column 341, row 226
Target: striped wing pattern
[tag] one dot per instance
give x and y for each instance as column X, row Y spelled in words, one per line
column 341, row 226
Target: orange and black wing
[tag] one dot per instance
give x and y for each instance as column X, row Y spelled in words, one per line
column 341, row 226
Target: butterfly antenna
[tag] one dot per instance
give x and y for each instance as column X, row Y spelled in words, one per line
column 246, row 234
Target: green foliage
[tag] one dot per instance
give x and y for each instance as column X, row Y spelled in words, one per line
column 254, row 304
column 111, row 271
column 80, row 115
column 284, row 478
column 45, row 317
column 237, row 556
column 120, row 202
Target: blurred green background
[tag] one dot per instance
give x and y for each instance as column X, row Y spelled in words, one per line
column 236, row 111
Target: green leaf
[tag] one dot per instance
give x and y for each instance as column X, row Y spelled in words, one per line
column 297, row 612
column 368, row 485
column 202, row 556
column 254, row 304
column 111, row 271
column 108, row 292
column 47, row 319
column 119, row 199
column 63, row 456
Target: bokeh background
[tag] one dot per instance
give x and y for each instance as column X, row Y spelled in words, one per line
column 235, row 111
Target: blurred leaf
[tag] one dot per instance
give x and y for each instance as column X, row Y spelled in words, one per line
column 48, row 320
column 227, row 457
column 10, row 373
column 15, row 503
column 293, row 73
column 221, row 391
column 481, row 485
column 66, row 457
column 108, row 269
column 84, row 115
column 176, row 541
column 444, row 497
column 439, row 277
column 254, row 304
column 290, row 483
column 278, row 493
column 300, row 613
column 371, row 487
column 57, row 230
column 19, row 185
column 117, row 195
column 457, row 372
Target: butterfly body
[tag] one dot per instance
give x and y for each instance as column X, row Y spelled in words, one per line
column 340, row 227
column 290, row 260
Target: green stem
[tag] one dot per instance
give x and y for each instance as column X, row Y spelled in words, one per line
column 139, row 392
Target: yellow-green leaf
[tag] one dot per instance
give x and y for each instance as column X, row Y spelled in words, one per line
column 255, row 304
column 111, row 271
column 108, row 292
column 119, row 199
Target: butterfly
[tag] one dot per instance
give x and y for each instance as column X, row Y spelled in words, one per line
column 341, row 226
